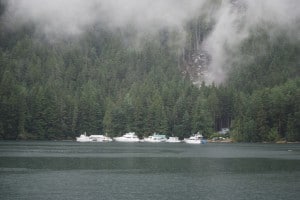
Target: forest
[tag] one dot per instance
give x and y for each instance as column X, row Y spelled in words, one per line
column 99, row 84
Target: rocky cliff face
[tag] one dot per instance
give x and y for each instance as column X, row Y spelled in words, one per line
column 196, row 68
column 205, row 56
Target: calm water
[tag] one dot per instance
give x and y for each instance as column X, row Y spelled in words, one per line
column 70, row 170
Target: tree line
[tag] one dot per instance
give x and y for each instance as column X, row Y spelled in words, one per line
column 99, row 85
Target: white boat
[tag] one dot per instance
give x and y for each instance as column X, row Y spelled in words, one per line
column 194, row 139
column 83, row 138
column 99, row 138
column 128, row 137
column 173, row 140
column 156, row 138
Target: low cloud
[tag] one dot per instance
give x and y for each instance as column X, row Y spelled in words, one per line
column 234, row 19
column 237, row 18
column 73, row 17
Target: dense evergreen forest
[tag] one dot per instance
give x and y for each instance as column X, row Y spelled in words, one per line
column 100, row 84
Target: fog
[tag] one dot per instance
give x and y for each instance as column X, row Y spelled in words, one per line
column 233, row 20
column 72, row 17
column 237, row 18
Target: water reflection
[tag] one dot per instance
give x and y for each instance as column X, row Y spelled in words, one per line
column 68, row 170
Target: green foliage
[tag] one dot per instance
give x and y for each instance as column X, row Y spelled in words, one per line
column 100, row 85
column 269, row 114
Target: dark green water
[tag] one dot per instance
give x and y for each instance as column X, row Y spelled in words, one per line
column 70, row 170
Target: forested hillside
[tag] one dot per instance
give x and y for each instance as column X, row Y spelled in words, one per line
column 100, row 83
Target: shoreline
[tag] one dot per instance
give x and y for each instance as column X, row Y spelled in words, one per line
column 208, row 141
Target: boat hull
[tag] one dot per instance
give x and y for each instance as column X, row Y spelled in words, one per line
column 193, row 141
column 83, row 139
column 156, row 138
column 173, row 140
column 120, row 139
column 153, row 141
column 128, row 137
column 100, row 138
column 93, row 138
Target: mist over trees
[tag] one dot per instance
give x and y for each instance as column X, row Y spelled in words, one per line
column 103, row 83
